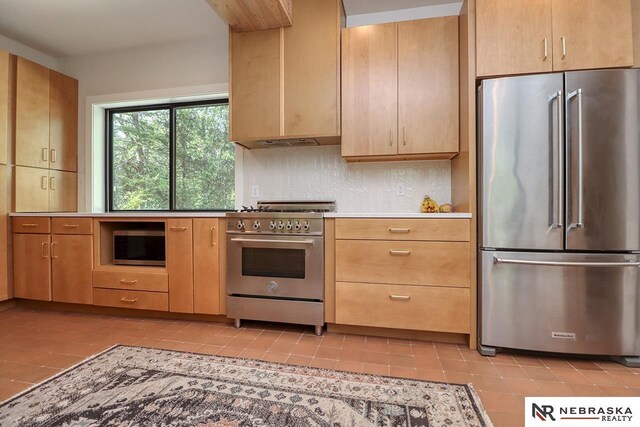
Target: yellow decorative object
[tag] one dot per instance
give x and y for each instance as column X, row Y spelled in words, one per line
column 446, row 208
column 429, row 205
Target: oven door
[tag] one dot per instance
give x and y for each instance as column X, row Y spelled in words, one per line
column 275, row 266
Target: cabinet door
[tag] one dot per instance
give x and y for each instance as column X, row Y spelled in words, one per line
column 63, row 191
column 5, row 103
column 71, row 265
column 206, row 266
column 592, row 34
column 5, row 292
column 311, row 70
column 180, row 264
column 32, row 114
column 255, row 84
column 31, row 190
column 32, row 266
column 369, row 90
column 428, row 86
column 513, row 37
column 63, row 123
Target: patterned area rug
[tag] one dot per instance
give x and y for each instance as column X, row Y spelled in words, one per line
column 135, row 386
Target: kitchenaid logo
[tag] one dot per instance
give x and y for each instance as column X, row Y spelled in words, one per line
column 583, row 411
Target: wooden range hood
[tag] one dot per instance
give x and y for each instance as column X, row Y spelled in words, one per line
column 252, row 15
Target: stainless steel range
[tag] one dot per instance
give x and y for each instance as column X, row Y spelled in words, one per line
column 275, row 263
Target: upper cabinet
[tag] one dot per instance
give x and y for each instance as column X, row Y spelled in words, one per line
column 285, row 83
column 32, row 114
column 46, row 118
column 533, row 36
column 400, row 90
column 592, row 34
column 513, row 36
column 6, row 103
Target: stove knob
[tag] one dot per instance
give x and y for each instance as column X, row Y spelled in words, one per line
column 256, row 225
column 280, row 225
column 298, row 226
column 240, row 225
column 306, row 226
column 289, row 225
column 272, row 225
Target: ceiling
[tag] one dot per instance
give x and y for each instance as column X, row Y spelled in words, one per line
column 359, row 7
column 64, row 28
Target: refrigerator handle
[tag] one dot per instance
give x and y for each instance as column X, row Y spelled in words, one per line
column 560, row 201
column 497, row 260
column 580, row 220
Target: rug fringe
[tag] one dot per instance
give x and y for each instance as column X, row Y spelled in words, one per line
column 481, row 409
column 64, row 371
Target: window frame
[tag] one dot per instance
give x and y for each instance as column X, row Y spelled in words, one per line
column 171, row 107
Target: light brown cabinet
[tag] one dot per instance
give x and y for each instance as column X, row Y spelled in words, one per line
column 32, row 115
column 51, row 267
column 6, row 102
column 32, row 266
column 285, row 83
column 44, row 190
column 401, row 273
column 63, row 122
column 206, row 267
column 5, row 290
column 179, row 237
column 400, row 90
column 532, row 36
column 71, row 265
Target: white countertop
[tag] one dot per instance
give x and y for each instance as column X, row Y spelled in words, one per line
column 126, row 214
column 398, row 215
column 454, row 215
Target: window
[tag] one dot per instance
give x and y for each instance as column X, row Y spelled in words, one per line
column 170, row 157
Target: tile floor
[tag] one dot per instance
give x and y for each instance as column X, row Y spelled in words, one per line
column 37, row 344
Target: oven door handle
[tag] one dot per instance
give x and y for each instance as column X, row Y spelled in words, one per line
column 298, row 242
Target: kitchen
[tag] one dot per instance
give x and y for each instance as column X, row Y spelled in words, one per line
column 344, row 118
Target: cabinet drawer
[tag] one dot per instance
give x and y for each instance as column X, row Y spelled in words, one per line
column 72, row 225
column 445, row 230
column 131, row 299
column 158, row 282
column 31, row 224
column 403, row 262
column 405, row 307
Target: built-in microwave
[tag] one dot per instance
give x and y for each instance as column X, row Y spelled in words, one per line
column 139, row 247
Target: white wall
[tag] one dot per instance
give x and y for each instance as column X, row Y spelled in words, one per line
column 19, row 49
column 312, row 173
column 169, row 70
column 404, row 14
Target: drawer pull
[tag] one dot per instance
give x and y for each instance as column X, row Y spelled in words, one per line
column 70, row 226
column 178, row 228
column 45, row 249
column 29, row 225
column 400, row 253
column 399, row 297
column 128, row 282
column 53, row 156
column 213, row 236
column 45, row 154
column 128, row 300
column 399, row 230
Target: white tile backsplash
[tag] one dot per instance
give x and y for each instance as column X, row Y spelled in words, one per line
column 306, row 173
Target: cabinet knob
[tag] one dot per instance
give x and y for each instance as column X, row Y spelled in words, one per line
column 563, row 39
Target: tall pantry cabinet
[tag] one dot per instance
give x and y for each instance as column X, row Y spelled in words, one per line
column 7, row 62
column 46, row 137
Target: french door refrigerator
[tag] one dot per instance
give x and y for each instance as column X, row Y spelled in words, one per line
column 559, row 208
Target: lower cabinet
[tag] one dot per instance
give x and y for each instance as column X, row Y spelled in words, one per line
column 206, row 266
column 403, row 274
column 52, row 267
column 179, row 237
column 428, row 308
column 71, row 264
column 32, row 266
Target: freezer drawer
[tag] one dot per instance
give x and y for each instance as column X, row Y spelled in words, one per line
column 560, row 302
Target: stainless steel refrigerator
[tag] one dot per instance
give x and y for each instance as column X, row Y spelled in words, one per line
column 559, row 206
